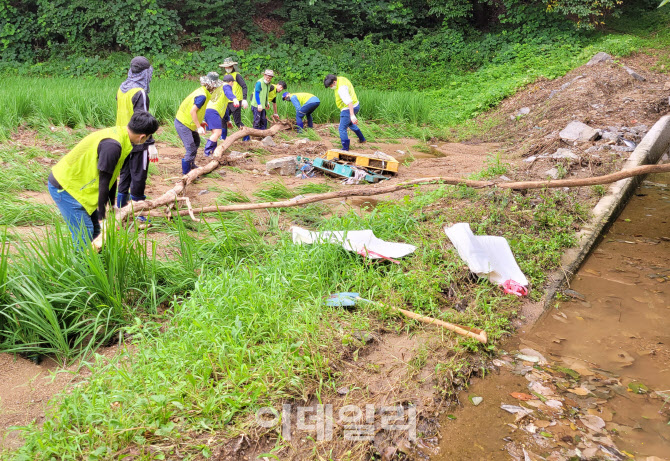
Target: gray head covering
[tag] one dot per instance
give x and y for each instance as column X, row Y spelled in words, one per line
column 211, row 79
column 139, row 75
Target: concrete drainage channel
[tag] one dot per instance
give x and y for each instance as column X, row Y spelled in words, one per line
column 650, row 151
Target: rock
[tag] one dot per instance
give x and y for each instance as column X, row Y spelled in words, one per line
column 565, row 153
column 609, row 136
column 344, row 390
column 302, row 141
column 578, row 131
column 533, row 353
column 595, row 423
column 553, row 173
column 504, row 178
column 530, row 159
column 284, row 166
column 622, row 149
column 634, row 74
column 362, row 336
column 284, row 146
column 235, row 156
column 598, row 58
column 520, row 113
column 401, row 152
column 476, row 400
column 574, row 294
column 203, row 192
column 268, row 142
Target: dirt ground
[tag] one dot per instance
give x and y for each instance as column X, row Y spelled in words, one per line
column 389, row 367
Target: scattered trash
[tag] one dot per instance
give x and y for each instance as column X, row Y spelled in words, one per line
column 487, row 256
column 362, row 242
column 513, row 288
column 637, row 387
column 522, row 396
column 203, row 192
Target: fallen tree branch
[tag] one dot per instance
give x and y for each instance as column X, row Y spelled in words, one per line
column 169, row 197
column 365, row 191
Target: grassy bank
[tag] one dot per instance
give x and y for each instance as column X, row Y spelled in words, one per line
column 253, row 330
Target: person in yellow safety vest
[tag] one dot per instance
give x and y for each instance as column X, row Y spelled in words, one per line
column 304, row 103
column 347, row 102
column 240, row 92
column 216, row 109
column 259, row 99
column 133, row 96
column 190, row 116
column 84, row 180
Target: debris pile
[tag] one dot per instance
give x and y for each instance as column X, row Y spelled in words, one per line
column 562, row 416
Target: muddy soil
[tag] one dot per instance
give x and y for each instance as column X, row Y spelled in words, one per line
column 613, row 336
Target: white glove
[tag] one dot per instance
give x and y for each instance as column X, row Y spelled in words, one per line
column 354, row 120
column 245, row 104
column 260, row 108
column 153, row 153
column 201, row 131
column 236, row 102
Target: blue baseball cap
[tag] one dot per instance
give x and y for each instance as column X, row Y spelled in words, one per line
column 284, row 95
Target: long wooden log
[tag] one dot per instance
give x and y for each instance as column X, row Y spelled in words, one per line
column 169, row 197
column 366, row 191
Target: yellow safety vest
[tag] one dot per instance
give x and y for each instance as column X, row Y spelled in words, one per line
column 237, row 89
column 303, row 97
column 78, row 172
column 218, row 102
column 344, row 81
column 124, row 105
column 184, row 112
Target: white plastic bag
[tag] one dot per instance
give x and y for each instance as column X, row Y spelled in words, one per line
column 486, row 255
column 362, row 242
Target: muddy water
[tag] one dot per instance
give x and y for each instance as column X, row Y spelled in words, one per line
column 618, row 334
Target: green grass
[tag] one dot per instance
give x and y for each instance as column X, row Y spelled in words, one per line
column 253, row 330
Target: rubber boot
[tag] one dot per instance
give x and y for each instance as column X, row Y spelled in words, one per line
column 186, row 166
column 224, row 133
column 345, row 144
column 121, row 200
column 209, row 147
column 246, row 138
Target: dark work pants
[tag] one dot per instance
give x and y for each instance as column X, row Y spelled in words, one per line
column 236, row 113
column 260, row 119
column 133, row 176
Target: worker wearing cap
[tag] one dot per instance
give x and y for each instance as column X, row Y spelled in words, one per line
column 347, row 103
column 304, row 103
column 133, row 96
column 190, row 116
column 216, row 109
column 240, row 92
column 84, row 180
column 264, row 93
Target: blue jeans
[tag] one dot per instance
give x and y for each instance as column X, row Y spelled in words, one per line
column 345, row 122
column 81, row 224
column 191, row 140
column 306, row 111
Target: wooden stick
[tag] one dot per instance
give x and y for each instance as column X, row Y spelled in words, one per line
column 365, row 191
column 475, row 333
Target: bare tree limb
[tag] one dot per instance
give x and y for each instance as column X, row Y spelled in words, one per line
column 366, row 191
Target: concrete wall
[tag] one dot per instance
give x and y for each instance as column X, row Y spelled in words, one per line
column 650, row 150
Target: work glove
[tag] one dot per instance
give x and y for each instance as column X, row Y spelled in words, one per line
column 260, row 108
column 245, row 104
column 275, row 117
column 236, row 103
column 201, row 129
column 354, row 120
column 153, row 153
column 230, row 125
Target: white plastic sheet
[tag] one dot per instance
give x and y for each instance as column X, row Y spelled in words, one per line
column 362, row 242
column 486, row 255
